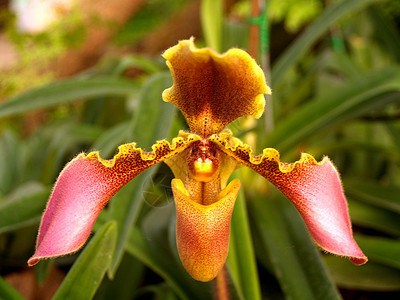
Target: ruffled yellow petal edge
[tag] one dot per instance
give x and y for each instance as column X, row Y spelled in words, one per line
column 214, row 89
column 243, row 153
column 130, row 156
column 85, row 186
column 313, row 187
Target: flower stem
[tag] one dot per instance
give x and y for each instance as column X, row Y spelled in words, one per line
column 254, row 30
column 259, row 50
column 221, row 286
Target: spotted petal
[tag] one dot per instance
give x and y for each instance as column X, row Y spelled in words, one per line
column 313, row 187
column 202, row 231
column 85, row 186
column 211, row 89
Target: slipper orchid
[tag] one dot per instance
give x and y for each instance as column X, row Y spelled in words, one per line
column 211, row 90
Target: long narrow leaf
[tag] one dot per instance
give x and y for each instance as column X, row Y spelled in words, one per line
column 127, row 280
column 8, row 292
column 386, row 30
column 66, row 91
column 11, row 150
column 211, row 20
column 125, row 208
column 369, row 216
column 291, row 252
column 182, row 285
column 387, row 197
column 331, row 15
column 382, row 250
column 241, row 252
column 370, row 277
column 152, row 122
column 23, row 207
column 352, row 99
column 111, row 139
column 88, row 270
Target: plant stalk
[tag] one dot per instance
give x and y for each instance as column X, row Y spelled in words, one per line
column 221, row 286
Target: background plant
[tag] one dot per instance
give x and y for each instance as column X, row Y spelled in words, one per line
column 336, row 91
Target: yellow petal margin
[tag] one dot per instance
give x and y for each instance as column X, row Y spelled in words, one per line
column 202, row 231
column 214, row 89
column 131, row 161
column 85, row 186
column 313, row 187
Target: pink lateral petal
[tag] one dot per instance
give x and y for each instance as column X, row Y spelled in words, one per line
column 314, row 188
column 85, row 186
column 317, row 193
column 79, row 196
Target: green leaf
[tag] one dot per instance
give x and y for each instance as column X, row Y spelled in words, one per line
column 153, row 117
column 161, row 292
column 128, row 279
column 138, row 62
column 23, row 207
column 291, row 252
column 62, row 140
column 10, row 149
column 386, row 31
column 394, row 134
column 332, row 14
column 66, row 91
column 152, row 122
column 347, row 145
column 382, row 250
column 352, row 99
column 42, row 270
column 211, row 14
column 88, row 270
column 125, row 208
column 241, row 258
column 111, row 139
column 167, row 267
column 8, row 292
column 369, row 216
column 384, row 196
column 159, row 228
column 369, row 277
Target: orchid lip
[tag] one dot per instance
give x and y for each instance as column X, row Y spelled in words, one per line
column 203, row 230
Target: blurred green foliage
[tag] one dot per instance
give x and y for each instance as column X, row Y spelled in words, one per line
column 343, row 102
column 295, row 14
column 37, row 52
column 153, row 13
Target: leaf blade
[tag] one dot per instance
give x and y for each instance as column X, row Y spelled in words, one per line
column 23, row 207
column 85, row 275
column 211, row 20
column 292, row 254
column 331, row 15
column 370, row 277
column 8, row 292
column 241, row 252
column 350, row 100
column 152, row 122
column 64, row 92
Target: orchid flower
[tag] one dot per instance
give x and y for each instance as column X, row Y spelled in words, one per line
column 211, row 90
